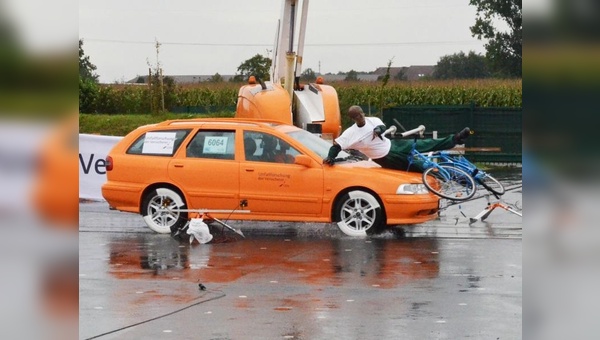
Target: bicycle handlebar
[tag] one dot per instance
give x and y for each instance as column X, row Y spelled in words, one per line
column 392, row 129
column 420, row 130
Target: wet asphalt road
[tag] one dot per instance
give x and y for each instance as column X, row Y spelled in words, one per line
column 446, row 279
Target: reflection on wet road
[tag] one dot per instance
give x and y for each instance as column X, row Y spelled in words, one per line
column 374, row 262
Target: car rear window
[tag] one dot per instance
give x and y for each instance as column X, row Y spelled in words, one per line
column 158, row 143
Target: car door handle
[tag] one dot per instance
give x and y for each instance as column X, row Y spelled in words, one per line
column 178, row 165
column 249, row 169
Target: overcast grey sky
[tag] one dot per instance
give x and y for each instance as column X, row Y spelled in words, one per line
column 206, row 37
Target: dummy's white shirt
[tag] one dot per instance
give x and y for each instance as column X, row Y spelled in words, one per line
column 361, row 139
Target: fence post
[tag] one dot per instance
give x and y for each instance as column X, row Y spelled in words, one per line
column 471, row 114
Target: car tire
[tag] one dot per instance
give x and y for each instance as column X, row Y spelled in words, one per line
column 358, row 213
column 157, row 210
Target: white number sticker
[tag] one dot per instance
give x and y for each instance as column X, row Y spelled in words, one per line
column 215, row 145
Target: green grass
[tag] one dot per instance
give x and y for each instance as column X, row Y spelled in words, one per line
column 120, row 125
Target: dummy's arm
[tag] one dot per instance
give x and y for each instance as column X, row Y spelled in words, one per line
column 378, row 131
column 334, row 150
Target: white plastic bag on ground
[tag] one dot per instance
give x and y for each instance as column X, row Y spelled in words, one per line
column 199, row 230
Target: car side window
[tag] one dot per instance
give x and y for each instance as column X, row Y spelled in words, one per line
column 158, row 143
column 250, row 147
column 286, row 153
column 264, row 147
column 213, row 144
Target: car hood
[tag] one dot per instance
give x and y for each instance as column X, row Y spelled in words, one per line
column 370, row 167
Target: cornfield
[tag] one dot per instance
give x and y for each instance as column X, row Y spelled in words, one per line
column 484, row 93
column 114, row 99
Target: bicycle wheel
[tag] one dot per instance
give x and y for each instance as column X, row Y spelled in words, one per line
column 451, row 182
column 491, row 184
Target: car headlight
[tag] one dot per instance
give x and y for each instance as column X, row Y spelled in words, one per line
column 411, row 189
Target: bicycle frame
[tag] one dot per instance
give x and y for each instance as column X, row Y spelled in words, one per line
column 454, row 182
column 427, row 161
column 462, row 162
column 481, row 177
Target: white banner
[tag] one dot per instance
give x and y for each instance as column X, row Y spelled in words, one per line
column 93, row 150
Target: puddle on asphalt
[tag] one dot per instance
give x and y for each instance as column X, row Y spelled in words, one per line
column 379, row 262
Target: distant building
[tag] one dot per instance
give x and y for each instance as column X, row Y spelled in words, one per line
column 340, row 77
column 415, row 72
column 185, row 79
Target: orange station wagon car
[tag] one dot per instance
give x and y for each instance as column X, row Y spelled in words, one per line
column 255, row 170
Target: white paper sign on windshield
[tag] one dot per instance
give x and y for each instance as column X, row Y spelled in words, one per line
column 215, row 145
column 159, row 143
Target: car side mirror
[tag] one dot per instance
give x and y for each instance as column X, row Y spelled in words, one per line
column 303, row 160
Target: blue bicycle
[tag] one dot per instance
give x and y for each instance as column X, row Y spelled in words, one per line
column 483, row 178
column 444, row 180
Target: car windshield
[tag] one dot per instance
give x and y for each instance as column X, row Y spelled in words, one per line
column 313, row 142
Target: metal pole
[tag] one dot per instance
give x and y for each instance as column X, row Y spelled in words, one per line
column 289, row 78
column 301, row 38
column 292, row 24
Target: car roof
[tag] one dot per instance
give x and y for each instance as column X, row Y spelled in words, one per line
column 218, row 121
